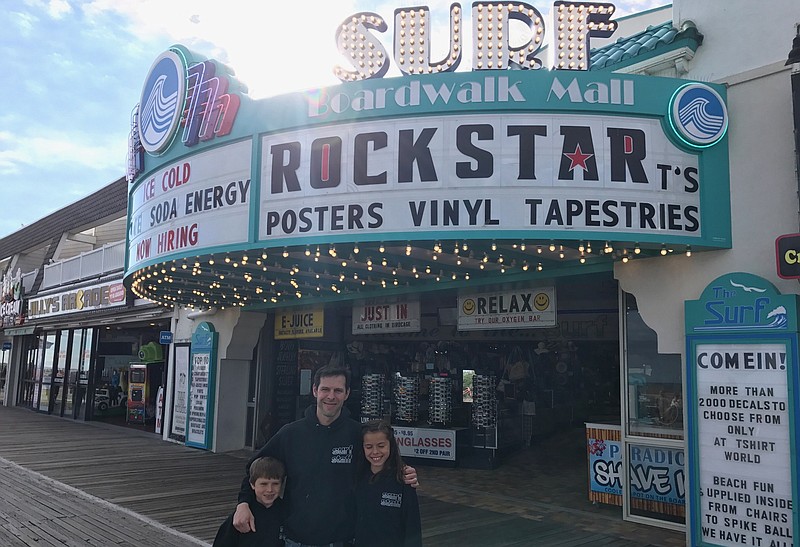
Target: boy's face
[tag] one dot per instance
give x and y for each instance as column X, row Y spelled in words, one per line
column 266, row 490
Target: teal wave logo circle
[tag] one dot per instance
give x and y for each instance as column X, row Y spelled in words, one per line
column 161, row 104
column 698, row 115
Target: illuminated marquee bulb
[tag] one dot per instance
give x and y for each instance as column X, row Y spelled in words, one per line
column 353, row 37
column 575, row 24
column 489, row 27
column 411, row 41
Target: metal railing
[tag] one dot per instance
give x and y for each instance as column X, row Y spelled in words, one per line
column 107, row 259
column 28, row 279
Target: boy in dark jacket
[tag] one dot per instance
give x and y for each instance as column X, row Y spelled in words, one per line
column 318, row 451
column 265, row 480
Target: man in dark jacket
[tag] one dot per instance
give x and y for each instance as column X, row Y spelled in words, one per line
column 318, row 453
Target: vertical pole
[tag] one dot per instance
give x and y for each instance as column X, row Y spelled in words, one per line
column 794, row 61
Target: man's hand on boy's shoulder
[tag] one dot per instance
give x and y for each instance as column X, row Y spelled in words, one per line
column 410, row 476
column 243, row 519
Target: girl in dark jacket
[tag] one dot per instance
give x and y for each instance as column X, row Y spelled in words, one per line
column 387, row 509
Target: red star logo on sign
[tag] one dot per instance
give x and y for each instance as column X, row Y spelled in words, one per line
column 578, row 158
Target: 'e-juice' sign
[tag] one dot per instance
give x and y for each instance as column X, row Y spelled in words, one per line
column 741, row 366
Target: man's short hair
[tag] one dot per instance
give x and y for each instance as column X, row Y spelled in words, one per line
column 266, row 468
column 332, row 370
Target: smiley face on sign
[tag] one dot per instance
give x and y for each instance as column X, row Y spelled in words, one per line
column 468, row 306
column 541, row 301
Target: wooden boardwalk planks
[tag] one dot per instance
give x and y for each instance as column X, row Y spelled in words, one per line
column 192, row 491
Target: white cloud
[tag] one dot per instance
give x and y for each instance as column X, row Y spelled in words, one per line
column 57, row 9
column 91, row 152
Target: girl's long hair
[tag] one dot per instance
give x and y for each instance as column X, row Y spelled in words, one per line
column 394, row 463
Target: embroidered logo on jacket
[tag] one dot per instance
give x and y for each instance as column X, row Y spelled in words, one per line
column 390, row 499
column 342, row 454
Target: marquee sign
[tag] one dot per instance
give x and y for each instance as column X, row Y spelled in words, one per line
column 528, row 172
column 435, row 159
column 195, row 204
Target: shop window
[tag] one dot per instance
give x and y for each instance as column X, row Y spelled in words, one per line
column 79, row 372
column 4, row 358
column 654, row 394
column 656, row 478
column 48, row 361
column 29, row 376
column 60, row 370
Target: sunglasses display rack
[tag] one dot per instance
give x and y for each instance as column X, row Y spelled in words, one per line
column 484, row 401
column 372, row 396
column 406, row 393
column 440, row 401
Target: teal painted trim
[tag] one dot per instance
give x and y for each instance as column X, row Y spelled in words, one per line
column 128, row 231
column 743, row 304
column 205, row 252
column 692, row 459
column 715, row 199
column 532, row 278
column 482, row 234
column 794, row 440
column 205, row 339
column 255, row 189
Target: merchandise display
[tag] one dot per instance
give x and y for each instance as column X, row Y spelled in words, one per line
column 484, row 401
column 372, row 396
column 440, row 401
column 406, row 394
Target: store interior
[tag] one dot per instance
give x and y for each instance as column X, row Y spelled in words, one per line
column 130, row 365
column 503, row 390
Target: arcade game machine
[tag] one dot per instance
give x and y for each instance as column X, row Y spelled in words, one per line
column 144, row 379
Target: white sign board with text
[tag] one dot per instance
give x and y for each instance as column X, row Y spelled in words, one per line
column 435, row 444
column 744, row 444
column 508, row 309
column 191, row 205
column 198, row 399
column 400, row 314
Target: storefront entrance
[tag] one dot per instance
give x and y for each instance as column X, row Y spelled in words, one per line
column 84, row 373
column 592, row 407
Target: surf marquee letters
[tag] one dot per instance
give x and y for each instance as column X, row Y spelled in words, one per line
column 574, row 24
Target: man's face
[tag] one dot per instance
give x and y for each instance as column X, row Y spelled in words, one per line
column 266, row 490
column 331, row 394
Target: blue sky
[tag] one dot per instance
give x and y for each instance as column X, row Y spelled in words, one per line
column 74, row 70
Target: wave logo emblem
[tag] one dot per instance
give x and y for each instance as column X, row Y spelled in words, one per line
column 162, row 101
column 698, row 115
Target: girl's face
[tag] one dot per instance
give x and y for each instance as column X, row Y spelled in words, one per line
column 377, row 449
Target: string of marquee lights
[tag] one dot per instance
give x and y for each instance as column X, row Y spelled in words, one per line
column 305, row 274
